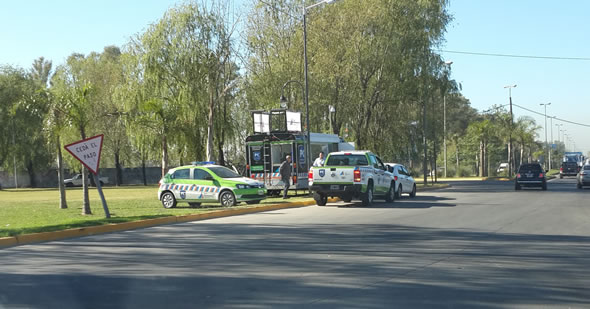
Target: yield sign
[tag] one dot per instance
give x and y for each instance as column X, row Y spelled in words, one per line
column 87, row 151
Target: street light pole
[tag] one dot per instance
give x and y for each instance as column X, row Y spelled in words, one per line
column 308, row 152
column 283, row 99
column 510, row 163
column 552, row 142
column 448, row 64
column 546, row 148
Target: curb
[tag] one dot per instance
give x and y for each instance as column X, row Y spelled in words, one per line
column 117, row 227
column 440, row 186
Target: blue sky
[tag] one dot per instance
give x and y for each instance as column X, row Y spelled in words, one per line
column 55, row 29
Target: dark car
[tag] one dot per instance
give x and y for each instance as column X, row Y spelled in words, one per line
column 530, row 175
column 569, row 168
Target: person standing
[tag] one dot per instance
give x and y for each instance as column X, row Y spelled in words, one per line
column 319, row 161
column 285, row 171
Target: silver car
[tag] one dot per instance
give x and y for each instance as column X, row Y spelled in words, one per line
column 404, row 182
column 584, row 176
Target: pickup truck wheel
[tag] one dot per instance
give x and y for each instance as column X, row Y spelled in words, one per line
column 367, row 197
column 168, row 200
column 413, row 193
column 390, row 196
column 320, row 199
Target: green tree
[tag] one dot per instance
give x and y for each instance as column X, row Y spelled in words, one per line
column 187, row 73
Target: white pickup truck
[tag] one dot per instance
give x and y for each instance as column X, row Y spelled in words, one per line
column 351, row 175
column 76, row 181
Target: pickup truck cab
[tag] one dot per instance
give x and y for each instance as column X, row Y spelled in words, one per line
column 351, row 175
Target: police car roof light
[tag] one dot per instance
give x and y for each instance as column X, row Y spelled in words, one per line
column 202, row 162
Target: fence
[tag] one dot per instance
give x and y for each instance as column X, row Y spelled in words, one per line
column 48, row 178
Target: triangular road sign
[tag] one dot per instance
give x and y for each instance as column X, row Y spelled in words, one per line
column 87, row 151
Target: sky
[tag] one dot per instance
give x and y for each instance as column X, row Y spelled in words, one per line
column 539, row 28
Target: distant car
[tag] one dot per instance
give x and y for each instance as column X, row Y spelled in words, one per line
column 530, row 175
column 404, row 182
column 502, row 167
column 205, row 182
column 569, row 168
column 76, row 181
column 584, row 176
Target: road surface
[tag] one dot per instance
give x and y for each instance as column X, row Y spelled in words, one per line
column 474, row 245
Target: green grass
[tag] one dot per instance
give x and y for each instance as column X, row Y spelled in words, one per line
column 25, row 211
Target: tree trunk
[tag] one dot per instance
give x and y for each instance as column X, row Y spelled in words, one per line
column 143, row 169
column 164, row 155
column 481, row 159
column 521, row 153
column 86, row 202
column 63, row 204
column 457, row 173
column 210, row 127
column 119, row 172
column 31, row 172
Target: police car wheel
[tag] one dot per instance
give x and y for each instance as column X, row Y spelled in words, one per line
column 168, row 200
column 227, row 199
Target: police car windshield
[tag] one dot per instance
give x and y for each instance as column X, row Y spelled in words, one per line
column 224, row 172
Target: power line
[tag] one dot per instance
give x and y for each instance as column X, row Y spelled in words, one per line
column 514, row 56
column 541, row 114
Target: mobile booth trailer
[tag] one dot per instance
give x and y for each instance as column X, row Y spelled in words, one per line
column 277, row 134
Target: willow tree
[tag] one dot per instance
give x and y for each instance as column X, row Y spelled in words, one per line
column 182, row 59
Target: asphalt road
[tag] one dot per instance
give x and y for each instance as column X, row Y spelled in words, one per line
column 474, row 245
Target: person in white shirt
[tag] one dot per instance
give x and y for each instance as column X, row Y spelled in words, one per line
column 320, row 160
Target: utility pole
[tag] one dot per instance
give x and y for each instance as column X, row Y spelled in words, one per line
column 510, row 161
column 448, row 64
column 546, row 148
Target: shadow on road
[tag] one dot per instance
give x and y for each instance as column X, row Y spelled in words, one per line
column 306, row 265
column 490, row 186
column 420, row 201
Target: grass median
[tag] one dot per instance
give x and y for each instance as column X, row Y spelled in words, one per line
column 26, row 211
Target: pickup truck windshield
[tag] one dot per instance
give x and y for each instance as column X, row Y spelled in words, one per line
column 347, row 160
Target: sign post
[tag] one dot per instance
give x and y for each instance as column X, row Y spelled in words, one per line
column 87, row 151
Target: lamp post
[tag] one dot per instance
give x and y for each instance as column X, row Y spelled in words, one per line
column 558, row 125
column 546, row 148
column 448, row 65
column 552, row 142
column 283, row 99
column 305, row 8
column 510, row 168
